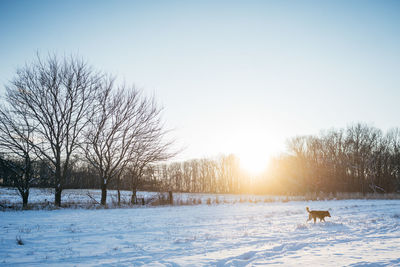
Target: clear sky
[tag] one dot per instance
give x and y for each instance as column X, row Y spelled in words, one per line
column 233, row 76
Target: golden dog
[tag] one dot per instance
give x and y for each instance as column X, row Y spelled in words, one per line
column 314, row 214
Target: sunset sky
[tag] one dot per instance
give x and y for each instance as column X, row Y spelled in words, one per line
column 233, row 76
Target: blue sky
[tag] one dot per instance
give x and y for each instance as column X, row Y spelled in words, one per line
column 234, row 76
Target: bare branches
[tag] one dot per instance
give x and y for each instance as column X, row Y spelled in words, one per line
column 58, row 105
column 17, row 147
column 92, row 198
column 56, row 95
column 125, row 130
column 358, row 158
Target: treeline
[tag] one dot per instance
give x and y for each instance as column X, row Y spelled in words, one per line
column 221, row 175
column 359, row 158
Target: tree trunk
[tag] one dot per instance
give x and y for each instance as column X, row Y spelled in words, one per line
column 25, row 199
column 170, row 198
column 57, row 182
column 119, row 197
column 57, row 196
column 133, row 197
column 103, row 193
column 119, row 193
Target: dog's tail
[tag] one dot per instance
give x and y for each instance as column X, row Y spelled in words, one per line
column 308, row 209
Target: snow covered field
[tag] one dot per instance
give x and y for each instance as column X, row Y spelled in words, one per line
column 80, row 197
column 359, row 233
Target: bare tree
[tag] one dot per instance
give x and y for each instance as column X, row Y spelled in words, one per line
column 150, row 144
column 110, row 134
column 16, row 142
column 125, row 130
column 57, row 96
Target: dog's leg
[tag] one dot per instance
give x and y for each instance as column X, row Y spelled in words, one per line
column 315, row 219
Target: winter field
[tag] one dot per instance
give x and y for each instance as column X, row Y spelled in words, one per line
column 231, row 233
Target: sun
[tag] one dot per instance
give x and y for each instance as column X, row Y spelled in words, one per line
column 253, row 163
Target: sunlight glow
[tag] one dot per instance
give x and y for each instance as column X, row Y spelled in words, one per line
column 254, row 149
column 253, row 163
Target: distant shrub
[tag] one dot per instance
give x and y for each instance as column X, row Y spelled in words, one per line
column 19, row 241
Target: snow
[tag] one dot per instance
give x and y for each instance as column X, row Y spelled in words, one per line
column 359, row 233
column 80, row 196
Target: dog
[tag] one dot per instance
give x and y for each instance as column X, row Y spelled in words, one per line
column 314, row 214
